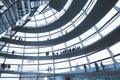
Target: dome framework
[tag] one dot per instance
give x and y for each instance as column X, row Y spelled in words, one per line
column 75, row 40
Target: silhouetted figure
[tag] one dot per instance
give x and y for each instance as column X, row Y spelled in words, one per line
column 103, row 66
column 47, row 53
column 61, row 52
column 13, row 52
column 70, row 50
column 85, row 67
column 18, row 67
column 8, row 65
column 53, row 53
column 57, row 54
column 3, row 66
column 48, row 39
column 19, row 38
column 96, row 66
column 49, row 69
column 73, row 49
column 15, row 37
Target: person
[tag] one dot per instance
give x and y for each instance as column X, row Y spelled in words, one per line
column 3, row 66
column 18, row 67
column 47, row 53
column 49, row 69
column 53, row 53
column 85, row 67
column 13, row 52
column 96, row 66
column 57, row 54
column 8, row 66
column 15, row 37
column 20, row 38
column 103, row 66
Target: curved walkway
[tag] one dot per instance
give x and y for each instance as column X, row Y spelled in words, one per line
column 106, row 41
column 72, row 11
column 97, row 13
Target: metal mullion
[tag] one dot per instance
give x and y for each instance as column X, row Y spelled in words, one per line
column 1, row 30
column 11, row 21
column 68, row 58
column 7, row 18
column 3, row 22
column 29, row 5
column 88, row 61
column 9, row 7
column 22, row 60
column 12, row 14
column 6, row 3
column 23, row 6
column 51, row 49
column 16, row 14
column 108, row 49
column 12, row 1
column 66, row 47
column 38, row 49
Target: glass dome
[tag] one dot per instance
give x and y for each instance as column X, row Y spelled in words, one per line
column 44, row 42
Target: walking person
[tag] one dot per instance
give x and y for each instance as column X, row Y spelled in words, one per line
column 103, row 66
column 96, row 66
column 85, row 67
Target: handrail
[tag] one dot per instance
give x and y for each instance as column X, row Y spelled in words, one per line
column 102, row 28
column 85, row 25
column 97, row 46
column 75, row 6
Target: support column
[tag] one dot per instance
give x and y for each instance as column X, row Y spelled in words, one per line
column 109, row 51
column 85, row 54
column 68, row 59
column 38, row 69
column 21, row 66
column 112, row 56
column 23, row 7
column 29, row 6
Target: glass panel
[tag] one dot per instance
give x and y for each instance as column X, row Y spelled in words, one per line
column 94, row 57
column 115, row 48
column 87, row 33
column 58, row 65
column 91, row 40
column 107, row 17
column 73, row 41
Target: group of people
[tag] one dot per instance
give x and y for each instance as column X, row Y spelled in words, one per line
column 5, row 66
column 49, row 69
column 19, row 38
column 96, row 67
column 66, row 51
column 70, row 50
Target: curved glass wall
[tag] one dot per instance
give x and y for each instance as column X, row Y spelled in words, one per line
column 37, row 59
